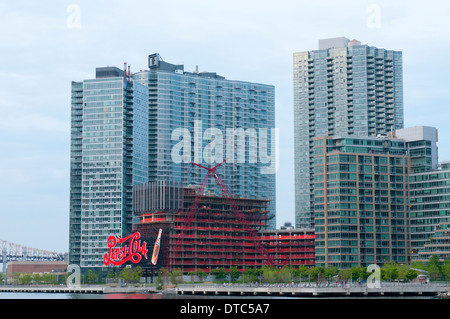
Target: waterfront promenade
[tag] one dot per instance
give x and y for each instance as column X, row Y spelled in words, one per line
column 314, row 290
column 84, row 289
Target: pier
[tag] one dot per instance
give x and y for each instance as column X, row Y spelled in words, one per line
column 81, row 289
column 311, row 290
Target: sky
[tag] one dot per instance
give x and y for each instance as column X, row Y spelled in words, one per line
column 44, row 45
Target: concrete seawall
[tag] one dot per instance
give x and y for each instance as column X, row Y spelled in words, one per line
column 82, row 289
column 350, row 290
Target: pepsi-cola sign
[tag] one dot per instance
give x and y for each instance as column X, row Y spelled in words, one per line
column 125, row 249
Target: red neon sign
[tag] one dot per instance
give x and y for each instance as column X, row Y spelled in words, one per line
column 133, row 252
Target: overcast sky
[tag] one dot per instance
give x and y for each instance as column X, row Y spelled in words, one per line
column 44, row 45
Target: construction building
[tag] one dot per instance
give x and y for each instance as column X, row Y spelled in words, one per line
column 203, row 231
column 292, row 247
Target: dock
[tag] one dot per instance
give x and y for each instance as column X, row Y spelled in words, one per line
column 311, row 290
column 88, row 289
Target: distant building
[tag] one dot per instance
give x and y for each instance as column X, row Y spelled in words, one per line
column 429, row 207
column 108, row 155
column 31, row 267
column 203, row 117
column 345, row 88
column 293, row 247
column 422, row 146
column 361, row 201
column 437, row 244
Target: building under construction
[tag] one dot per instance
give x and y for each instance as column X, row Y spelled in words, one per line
column 203, row 231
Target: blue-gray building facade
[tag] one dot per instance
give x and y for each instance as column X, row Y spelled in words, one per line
column 344, row 88
column 109, row 154
column 203, row 118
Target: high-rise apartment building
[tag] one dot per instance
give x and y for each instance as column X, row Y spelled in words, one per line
column 361, row 204
column 344, row 88
column 109, row 154
column 202, row 117
column 422, row 146
column 429, row 208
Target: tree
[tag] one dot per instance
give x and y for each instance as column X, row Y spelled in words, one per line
column 345, row 274
column 411, row 274
column 302, row 271
column 402, row 270
column 131, row 274
column 314, row 273
column 268, row 275
column 284, row 274
column 356, row 273
column 330, row 272
column 91, row 277
column 445, row 268
column 176, row 276
column 220, row 273
column 434, row 268
column 389, row 271
column 250, row 275
column 201, row 274
column 24, row 278
column 163, row 275
column 234, row 273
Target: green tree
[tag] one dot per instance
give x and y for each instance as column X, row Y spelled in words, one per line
column 176, row 276
column 91, row 277
column 314, row 273
column 234, row 274
column 268, row 275
column 131, row 274
column 402, row 269
column 411, row 274
column 389, row 271
column 364, row 273
column 284, row 274
column 434, row 268
column 163, row 275
column 24, row 278
column 250, row 275
column 345, row 274
column 330, row 272
column 220, row 273
column 445, row 268
column 356, row 272
column 36, row 278
column 418, row 265
column 302, row 271
column 201, row 274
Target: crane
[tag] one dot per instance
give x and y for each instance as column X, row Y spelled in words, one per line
column 231, row 202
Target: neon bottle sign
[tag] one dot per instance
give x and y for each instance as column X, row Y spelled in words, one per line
column 133, row 250
column 156, row 248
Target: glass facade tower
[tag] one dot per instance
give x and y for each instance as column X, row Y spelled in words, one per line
column 202, row 117
column 430, row 206
column 361, row 201
column 344, row 88
column 109, row 154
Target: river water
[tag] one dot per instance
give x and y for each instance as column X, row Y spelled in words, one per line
column 156, row 296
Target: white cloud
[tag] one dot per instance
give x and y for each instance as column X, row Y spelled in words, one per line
column 28, row 122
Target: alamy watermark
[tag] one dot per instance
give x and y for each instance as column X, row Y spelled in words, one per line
column 74, row 19
column 374, row 280
column 262, row 146
column 74, row 279
column 374, row 19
